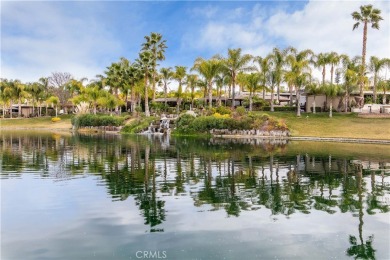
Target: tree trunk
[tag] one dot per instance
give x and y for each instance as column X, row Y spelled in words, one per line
column 323, row 75
column 211, row 95
column 331, row 74
column 133, row 100
column 147, row 113
column 250, row 101
column 314, row 105
column 278, row 93
column 19, row 107
column 291, row 94
column 272, row 98
column 363, row 67
column 331, row 107
column 374, row 90
column 384, row 96
column 233, row 94
column 298, row 105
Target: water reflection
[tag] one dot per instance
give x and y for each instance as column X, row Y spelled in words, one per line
column 225, row 175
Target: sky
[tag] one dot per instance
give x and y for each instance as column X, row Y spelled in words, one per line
column 85, row 37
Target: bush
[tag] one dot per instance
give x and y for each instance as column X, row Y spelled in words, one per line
column 280, row 109
column 224, row 110
column 240, row 111
column 55, row 119
column 96, row 120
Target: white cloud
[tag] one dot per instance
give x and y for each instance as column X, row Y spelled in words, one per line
column 40, row 38
column 325, row 26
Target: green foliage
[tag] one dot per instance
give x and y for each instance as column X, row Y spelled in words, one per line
column 240, row 111
column 188, row 124
column 224, row 110
column 138, row 125
column 281, row 109
column 96, row 120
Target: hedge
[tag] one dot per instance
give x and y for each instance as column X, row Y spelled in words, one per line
column 96, row 120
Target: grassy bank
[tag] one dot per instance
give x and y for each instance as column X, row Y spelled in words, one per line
column 341, row 125
column 36, row 123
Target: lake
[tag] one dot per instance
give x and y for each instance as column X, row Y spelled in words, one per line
column 67, row 196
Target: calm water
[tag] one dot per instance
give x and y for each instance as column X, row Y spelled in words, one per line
column 112, row 197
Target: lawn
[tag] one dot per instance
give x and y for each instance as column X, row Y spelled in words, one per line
column 36, row 123
column 340, row 125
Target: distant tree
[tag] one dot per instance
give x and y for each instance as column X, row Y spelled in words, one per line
column 331, row 91
column 375, row 66
column 233, row 64
column 179, row 75
column 156, row 45
column 58, row 81
column 166, row 74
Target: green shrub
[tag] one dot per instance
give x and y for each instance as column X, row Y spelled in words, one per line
column 87, row 120
column 240, row 111
column 224, row 110
column 280, row 109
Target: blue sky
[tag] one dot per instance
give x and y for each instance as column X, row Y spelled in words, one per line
column 84, row 37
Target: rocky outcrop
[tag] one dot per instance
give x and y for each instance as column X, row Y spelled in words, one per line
column 252, row 132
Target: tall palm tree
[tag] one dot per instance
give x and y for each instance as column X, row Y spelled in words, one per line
column 334, row 59
column 157, row 46
column 233, row 64
column 209, row 69
column 375, row 66
column 321, row 60
column 166, row 74
column 278, row 61
column 367, row 15
column 179, row 75
column 146, row 62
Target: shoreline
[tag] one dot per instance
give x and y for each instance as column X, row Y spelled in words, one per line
column 310, row 138
column 292, row 138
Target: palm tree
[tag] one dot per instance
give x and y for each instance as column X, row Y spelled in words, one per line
column 321, row 60
column 93, row 93
column 252, row 83
column 145, row 62
column 350, row 72
column 313, row 89
column 384, row 85
column 331, row 91
column 334, row 59
column 367, row 15
column 278, row 60
column 19, row 93
column 6, row 94
column 376, row 65
column 166, row 76
column 156, row 45
column 233, row 64
column 35, row 90
column 192, row 83
column 209, row 69
column 299, row 73
column 263, row 69
column 179, row 75
column 53, row 100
